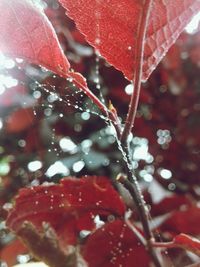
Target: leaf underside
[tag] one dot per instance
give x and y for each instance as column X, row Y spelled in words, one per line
column 26, row 33
column 112, row 27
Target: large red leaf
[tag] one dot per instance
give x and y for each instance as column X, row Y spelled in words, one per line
column 68, row 207
column 112, row 27
column 27, row 33
column 115, row 245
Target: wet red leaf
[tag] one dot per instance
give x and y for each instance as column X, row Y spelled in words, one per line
column 68, row 207
column 112, row 27
column 115, row 245
column 27, row 33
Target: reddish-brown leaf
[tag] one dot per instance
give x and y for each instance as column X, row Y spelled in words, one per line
column 115, row 245
column 68, row 207
column 27, row 33
column 112, row 27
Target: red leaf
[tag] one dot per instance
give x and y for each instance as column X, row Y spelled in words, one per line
column 188, row 243
column 27, row 33
column 68, row 207
column 112, row 27
column 184, row 221
column 115, row 245
column 170, row 203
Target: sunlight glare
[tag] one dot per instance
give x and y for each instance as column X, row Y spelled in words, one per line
column 193, row 26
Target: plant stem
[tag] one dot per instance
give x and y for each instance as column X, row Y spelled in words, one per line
column 131, row 183
column 165, row 245
column 138, row 70
column 136, row 232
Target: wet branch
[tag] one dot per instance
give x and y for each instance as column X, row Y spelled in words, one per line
column 131, row 183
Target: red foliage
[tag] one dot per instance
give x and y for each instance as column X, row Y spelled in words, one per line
column 69, row 207
column 169, row 204
column 114, row 29
column 117, row 30
column 33, row 37
column 183, row 221
column 115, row 245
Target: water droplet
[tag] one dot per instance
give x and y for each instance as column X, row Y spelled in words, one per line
column 97, row 41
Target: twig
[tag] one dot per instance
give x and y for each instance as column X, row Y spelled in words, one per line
column 131, row 183
column 138, row 71
column 136, row 232
column 135, row 193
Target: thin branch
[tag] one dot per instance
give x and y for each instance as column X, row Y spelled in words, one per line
column 136, row 195
column 131, row 182
column 139, row 201
column 136, row 232
column 138, row 71
column 164, row 244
